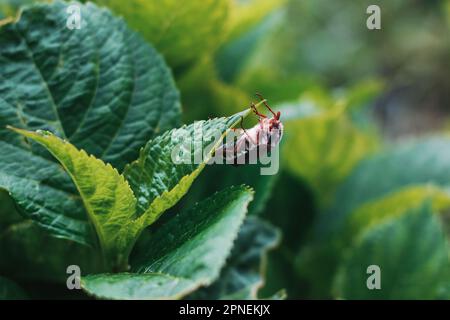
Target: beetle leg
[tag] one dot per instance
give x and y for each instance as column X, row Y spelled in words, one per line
column 245, row 131
column 266, row 104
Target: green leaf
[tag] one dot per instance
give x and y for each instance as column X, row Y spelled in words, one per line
column 323, row 257
column 399, row 178
column 101, row 87
column 412, row 253
column 204, row 94
column 246, row 14
column 323, row 149
column 188, row 236
column 135, row 286
column 288, row 50
column 43, row 192
column 220, row 177
column 30, row 253
column 8, row 212
column 185, row 252
column 375, row 212
column 295, row 221
column 9, row 8
column 10, row 291
column 158, row 183
column 251, row 176
column 416, row 163
column 249, row 23
column 106, row 195
column 117, row 214
column 181, row 32
column 244, row 272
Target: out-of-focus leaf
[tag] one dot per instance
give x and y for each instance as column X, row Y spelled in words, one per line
column 205, row 96
column 219, row 177
column 324, row 149
column 101, row 87
column 414, row 163
column 10, row 291
column 8, row 212
column 298, row 110
column 412, row 253
column 357, row 96
column 380, row 188
column 182, row 32
column 244, row 272
column 271, row 84
column 340, row 50
column 28, row 252
column 447, row 7
column 9, row 8
column 315, row 266
column 234, row 54
column 280, row 295
column 298, row 210
column 375, row 212
column 293, row 214
column 186, row 252
column 246, row 14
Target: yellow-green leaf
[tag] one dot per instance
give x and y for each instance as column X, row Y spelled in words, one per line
column 182, row 31
column 395, row 204
column 323, row 149
column 106, row 195
column 245, row 14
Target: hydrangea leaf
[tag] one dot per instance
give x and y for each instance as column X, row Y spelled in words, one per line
column 101, row 87
column 186, row 252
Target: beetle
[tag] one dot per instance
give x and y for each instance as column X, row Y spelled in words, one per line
column 267, row 133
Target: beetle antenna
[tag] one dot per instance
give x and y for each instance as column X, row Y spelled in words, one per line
column 265, row 103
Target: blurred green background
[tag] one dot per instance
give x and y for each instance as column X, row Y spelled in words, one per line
column 365, row 159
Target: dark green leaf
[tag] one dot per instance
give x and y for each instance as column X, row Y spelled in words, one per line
column 101, row 87
column 186, row 252
column 412, row 253
column 107, row 197
column 28, row 252
column 137, row 286
column 158, row 181
column 10, row 291
column 415, row 163
column 244, row 272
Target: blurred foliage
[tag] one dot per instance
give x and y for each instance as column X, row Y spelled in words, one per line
column 358, row 184
column 8, row 8
column 10, row 291
column 167, row 23
column 329, row 141
column 409, row 264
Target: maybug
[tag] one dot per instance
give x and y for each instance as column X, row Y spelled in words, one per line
column 249, row 142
